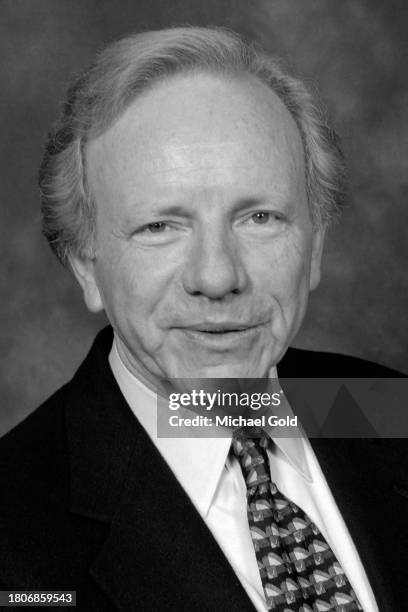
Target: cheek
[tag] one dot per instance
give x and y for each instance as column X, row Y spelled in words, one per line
column 134, row 285
column 281, row 268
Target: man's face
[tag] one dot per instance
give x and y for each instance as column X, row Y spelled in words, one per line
column 205, row 252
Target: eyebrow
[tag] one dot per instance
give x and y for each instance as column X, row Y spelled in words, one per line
column 176, row 210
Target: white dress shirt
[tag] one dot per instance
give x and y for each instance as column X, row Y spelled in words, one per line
column 218, row 491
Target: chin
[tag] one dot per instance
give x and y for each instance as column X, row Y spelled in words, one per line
column 237, row 370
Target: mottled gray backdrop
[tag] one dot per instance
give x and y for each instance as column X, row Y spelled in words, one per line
column 354, row 52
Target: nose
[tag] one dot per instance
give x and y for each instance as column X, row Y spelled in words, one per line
column 214, row 268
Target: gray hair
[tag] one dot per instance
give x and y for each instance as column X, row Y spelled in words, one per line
column 129, row 67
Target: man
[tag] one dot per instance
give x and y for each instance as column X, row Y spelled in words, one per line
column 188, row 184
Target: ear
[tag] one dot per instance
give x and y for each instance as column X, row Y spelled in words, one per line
column 316, row 259
column 84, row 270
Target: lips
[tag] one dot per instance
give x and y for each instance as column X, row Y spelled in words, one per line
column 221, row 331
column 222, row 337
column 220, row 328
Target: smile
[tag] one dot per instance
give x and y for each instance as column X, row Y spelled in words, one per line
column 221, row 336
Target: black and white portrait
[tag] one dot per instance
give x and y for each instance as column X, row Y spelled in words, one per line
column 203, row 192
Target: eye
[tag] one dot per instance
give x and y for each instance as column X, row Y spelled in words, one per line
column 158, row 233
column 261, row 217
column 263, row 224
column 157, row 227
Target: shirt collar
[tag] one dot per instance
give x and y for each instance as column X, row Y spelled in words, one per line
column 188, row 456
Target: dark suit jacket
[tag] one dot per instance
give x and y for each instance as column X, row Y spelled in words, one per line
column 88, row 504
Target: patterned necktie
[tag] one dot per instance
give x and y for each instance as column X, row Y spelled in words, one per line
column 299, row 571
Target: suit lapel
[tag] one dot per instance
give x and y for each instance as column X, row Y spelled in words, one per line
column 157, row 533
column 158, row 552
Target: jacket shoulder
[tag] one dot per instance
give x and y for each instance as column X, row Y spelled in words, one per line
column 317, row 364
column 43, row 545
column 33, row 459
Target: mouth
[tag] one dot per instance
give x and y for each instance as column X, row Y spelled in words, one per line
column 222, row 334
column 220, row 329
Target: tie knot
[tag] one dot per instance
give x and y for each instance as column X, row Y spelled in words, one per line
column 251, row 454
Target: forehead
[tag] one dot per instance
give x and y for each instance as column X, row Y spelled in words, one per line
column 197, row 130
